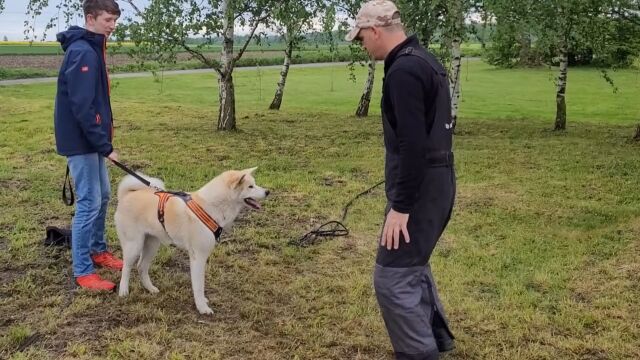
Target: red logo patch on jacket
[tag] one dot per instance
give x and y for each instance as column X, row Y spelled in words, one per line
column 98, row 119
column 85, row 68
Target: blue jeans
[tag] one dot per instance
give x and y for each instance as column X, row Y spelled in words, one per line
column 91, row 181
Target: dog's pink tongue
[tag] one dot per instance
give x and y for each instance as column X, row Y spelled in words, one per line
column 254, row 204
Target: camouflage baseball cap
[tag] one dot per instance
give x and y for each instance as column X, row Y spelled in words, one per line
column 374, row 13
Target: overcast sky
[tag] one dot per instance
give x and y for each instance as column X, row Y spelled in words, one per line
column 13, row 17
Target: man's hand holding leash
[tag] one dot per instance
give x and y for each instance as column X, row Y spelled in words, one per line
column 113, row 156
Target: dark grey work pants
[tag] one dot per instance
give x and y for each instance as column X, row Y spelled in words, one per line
column 404, row 285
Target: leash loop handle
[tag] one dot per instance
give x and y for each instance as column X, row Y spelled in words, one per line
column 67, row 199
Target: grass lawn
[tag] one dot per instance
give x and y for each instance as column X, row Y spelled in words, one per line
column 53, row 47
column 540, row 260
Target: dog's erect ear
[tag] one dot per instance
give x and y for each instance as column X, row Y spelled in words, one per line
column 251, row 171
column 240, row 180
column 233, row 178
column 245, row 172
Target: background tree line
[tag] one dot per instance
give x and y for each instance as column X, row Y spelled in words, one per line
column 558, row 33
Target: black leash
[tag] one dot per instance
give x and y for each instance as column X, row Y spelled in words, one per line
column 67, row 189
column 330, row 229
column 131, row 172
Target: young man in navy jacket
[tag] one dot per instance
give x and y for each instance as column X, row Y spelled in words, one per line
column 84, row 132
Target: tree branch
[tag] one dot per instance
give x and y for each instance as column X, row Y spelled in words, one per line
column 241, row 12
column 628, row 15
column 200, row 56
column 246, row 43
column 135, row 8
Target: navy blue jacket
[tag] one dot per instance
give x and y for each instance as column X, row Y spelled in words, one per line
column 82, row 117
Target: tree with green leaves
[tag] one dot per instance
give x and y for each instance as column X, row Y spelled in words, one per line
column 328, row 23
column 350, row 9
column 165, row 27
column 67, row 10
column 562, row 32
column 511, row 42
column 557, row 23
column 441, row 23
column 453, row 33
column 168, row 25
column 292, row 19
column 423, row 18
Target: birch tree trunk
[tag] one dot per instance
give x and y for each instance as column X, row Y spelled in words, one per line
column 456, row 64
column 227, row 110
column 277, row 98
column 365, row 99
column 561, row 105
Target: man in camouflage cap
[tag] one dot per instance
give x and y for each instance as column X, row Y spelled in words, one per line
column 375, row 13
column 420, row 181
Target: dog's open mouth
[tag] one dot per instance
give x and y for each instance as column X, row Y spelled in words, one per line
column 252, row 203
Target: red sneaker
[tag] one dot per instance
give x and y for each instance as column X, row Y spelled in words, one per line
column 106, row 259
column 94, row 282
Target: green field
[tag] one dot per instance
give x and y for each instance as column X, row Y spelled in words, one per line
column 53, row 48
column 540, row 260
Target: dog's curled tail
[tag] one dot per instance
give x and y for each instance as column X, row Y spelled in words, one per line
column 129, row 183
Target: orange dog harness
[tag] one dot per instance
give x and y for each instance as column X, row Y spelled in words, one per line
column 198, row 211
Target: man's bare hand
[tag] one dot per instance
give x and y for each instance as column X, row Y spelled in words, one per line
column 113, row 156
column 394, row 224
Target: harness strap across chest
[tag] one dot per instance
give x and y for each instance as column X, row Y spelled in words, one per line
column 197, row 210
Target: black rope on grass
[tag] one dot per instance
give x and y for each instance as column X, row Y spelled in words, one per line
column 332, row 228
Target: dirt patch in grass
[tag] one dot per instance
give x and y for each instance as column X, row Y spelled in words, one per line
column 14, row 185
column 53, row 62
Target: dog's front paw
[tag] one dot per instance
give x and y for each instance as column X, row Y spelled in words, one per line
column 152, row 289
column 204, row 309
column 123, row 292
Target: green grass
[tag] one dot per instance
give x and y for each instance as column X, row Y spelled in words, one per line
column 53, row 48
column 491, row 93
column 250, row 58
column 25, row 73
column 37, row 48
column 539, row 262
column 48, row 49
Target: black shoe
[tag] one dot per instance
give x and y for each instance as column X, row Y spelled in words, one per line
column 444, row 338
column 445, row 345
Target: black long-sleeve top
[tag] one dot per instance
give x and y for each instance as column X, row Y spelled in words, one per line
column 416, row 111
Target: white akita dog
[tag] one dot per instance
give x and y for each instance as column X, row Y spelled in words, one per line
column 145, row 218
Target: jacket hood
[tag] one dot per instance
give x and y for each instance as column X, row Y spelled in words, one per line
column 75, row 33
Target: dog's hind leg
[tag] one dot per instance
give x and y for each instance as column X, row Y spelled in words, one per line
column 198, row 263
column 149, row 250
column 131, row 249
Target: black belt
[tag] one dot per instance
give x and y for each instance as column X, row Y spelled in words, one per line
column 439, row 159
